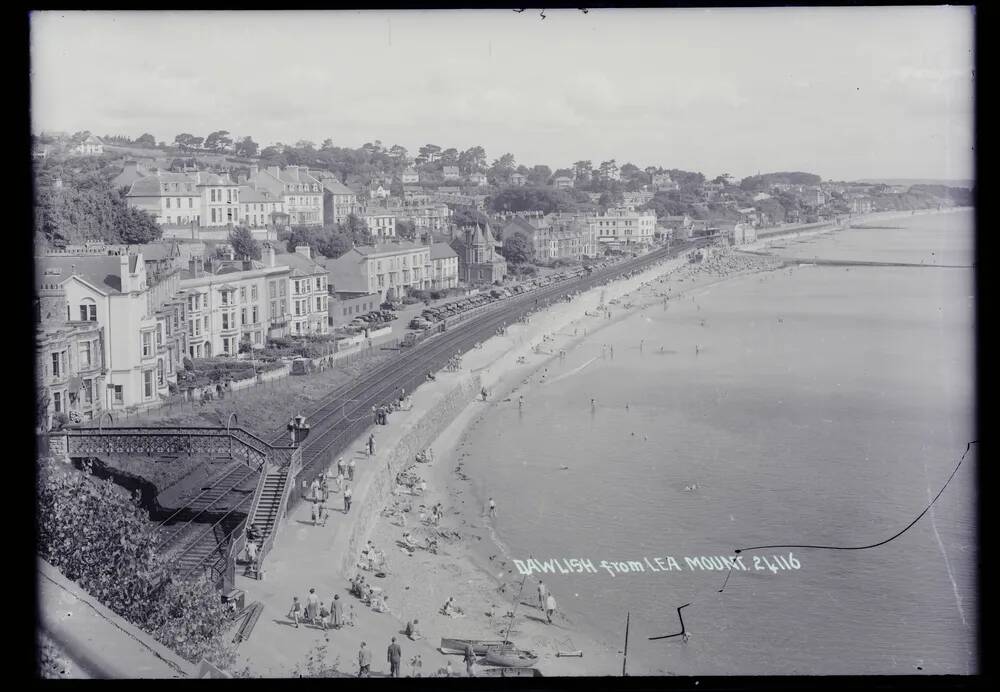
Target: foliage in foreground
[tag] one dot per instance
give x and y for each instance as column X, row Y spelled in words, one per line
column 102, row 539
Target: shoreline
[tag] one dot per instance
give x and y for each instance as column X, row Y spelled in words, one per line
column 477, row 563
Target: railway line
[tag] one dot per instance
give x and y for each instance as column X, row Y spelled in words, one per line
column 346, row 412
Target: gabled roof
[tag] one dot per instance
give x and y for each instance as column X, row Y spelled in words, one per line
column 442, row 251
column 335, row 187
column 300, row 265
column 101, row 271
column 159, row 251
column 522, row 225
column 250, row 194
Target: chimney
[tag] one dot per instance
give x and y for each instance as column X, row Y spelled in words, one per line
column 247, row 264
column 304, row 250
column 195, row 266
column 254, row 170
column 269, row 255
column 123, row 272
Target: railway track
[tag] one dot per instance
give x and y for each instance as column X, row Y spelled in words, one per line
column 345, row 413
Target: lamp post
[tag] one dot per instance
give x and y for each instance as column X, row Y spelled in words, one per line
column 229, row 434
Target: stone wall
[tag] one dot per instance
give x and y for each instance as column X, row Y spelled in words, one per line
column 373, row 493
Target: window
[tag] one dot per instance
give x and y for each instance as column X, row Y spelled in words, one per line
column 274, row 308
column 57, row 402
column 213, row 214
column 319, row 304
column 57, row 364
column 281, row 286
column 190, row 328
column 243, row 316
column 256, row 337
column 178, row 202
column 253, row 293
column 190, row 202
column 319, row 283
column 159, row 334
column 119, row 394
column 88, row 313
column 85, row 354
column 147, row 344
column 254, row 314
column 272, row 289
column 147, row 384
column 88, row 391
column 168, row 202
column 204, row 321
column 243, row 294
column 159, row 372
column 225, row 297
column 225, row 320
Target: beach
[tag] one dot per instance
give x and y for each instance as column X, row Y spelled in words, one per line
column 473, row 565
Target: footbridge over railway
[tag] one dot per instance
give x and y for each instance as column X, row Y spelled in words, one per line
column 247, row 482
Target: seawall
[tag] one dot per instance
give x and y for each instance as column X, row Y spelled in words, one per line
column 372, row 492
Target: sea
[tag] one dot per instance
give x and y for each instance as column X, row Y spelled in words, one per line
column 819, row 406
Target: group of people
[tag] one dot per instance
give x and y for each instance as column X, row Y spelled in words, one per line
column 371, row 596
column 454, row 363
column 318, row 614
column 394, row 657
column 381, row 414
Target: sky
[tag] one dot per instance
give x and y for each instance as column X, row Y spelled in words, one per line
column 847, row 93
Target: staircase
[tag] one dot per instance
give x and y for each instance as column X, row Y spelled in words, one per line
column 268, row 510
column 211, row 543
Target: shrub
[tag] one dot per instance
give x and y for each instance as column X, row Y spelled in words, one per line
column 410, row 300
column 102, row 539
column 279, row 342
column 437, row 295
column 59, row 420
column 187, row 363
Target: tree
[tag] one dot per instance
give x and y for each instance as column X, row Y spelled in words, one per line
column 243, row 243
column 526, row 198
column 357, row 230
column 517, row 248
column 100, row 537
column 335, row 242
column 398, row 152
column 406, row 229
column 629, row 170
column 247, row 148
column 467, row 216
column 582, row 170
column 472, row 160
column 503, row 166
column 429, row 151
column 146, row 140
column 449, row 156
column 219, row 141
column 184, row 140
column 539, row 175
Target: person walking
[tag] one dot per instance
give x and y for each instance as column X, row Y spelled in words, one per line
column 315, row 505
column 341, row 467
column 493, row 508
column 364, row 661
column 394, row 654
column 483, row 392
column 337, row 612
column 312, row 606
column 295, row 611
column 351, row 465
column 550, row 607
column 371, row 444
column 542, row 592
column 314, row 489
column 470, row 660
column 347, row 498
column 324, row 488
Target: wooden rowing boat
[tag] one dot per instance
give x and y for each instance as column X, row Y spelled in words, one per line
column 512, row 658
column 502, row 672
column 479, row 646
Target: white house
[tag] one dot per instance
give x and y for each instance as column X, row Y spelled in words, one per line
column 92, row 146
column 387, row 269
column 444, row 266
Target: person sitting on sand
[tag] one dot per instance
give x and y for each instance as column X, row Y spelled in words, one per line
column 450, row 609
column 413, row 630
column 408, row 540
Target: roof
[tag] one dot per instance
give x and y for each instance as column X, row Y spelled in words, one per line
column 336, row 187
column 159, row 251
column 299, row 263
column 251, row 194
column 101, row 271
column 442, row 251
column 522, row 225
column 402, row 246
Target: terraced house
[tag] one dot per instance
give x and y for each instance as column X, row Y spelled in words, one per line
column 300, row 192
column 112, row 293
column 387, row 269
column 308, row 292
column 182, row 199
